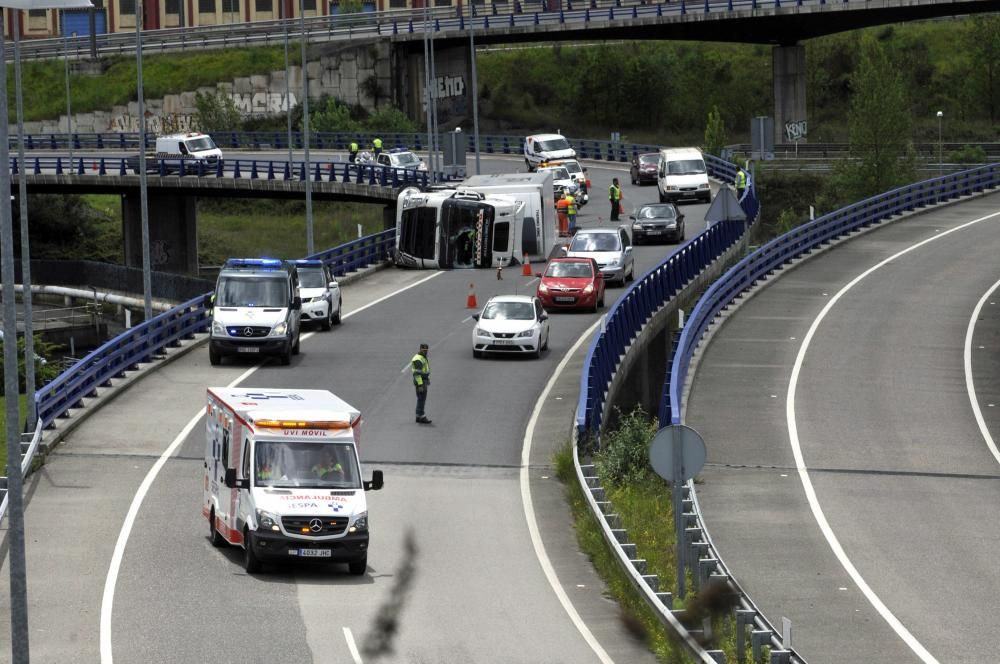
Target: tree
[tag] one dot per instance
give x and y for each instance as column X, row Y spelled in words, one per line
column 879, row 125
column 715, row 133
column 329, row 115
column 984, row 46
column 215, row 112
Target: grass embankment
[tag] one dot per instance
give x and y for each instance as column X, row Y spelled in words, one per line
column 22, row 403
column 45, row 83
column 643, row 502
column 253, row 227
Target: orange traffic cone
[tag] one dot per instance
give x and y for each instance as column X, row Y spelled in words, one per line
column 94, row 166
column 526, row 266
column 470, row 302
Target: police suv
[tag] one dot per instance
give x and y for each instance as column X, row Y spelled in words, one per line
column 256, row 310
column 320, row 293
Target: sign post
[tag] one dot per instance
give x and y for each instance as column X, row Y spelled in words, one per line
column 677, row 454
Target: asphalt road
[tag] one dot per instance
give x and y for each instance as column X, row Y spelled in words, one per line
column 481, row 591
column 892, row 559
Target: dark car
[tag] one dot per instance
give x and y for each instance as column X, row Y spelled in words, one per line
column 657, row 221
column 643, row 169
column 571, row 283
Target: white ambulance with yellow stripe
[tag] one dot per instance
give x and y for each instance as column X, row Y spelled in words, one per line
column 282, row 476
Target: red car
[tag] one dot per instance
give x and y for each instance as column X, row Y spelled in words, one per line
column 571, row 283
column 643, row 168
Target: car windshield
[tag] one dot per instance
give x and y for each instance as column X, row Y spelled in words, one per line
column 252, row 291
column 686, row 167
column 559, row 173
column 308, row 465
column 407, row 158
column 569, row 269
column 311, row 277
column 573, row 167
column 552, row 145
column 199, row 144
column 509, row 311
column 649, row 159
column 656, row 212
column 595, row 242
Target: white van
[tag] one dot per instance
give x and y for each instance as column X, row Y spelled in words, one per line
column 190, row 147
column 282, row 476
column 546, row 147
column 256, row 309
column 682, row 175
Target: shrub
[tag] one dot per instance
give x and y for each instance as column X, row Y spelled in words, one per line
column 624, row 457
column 968, row 155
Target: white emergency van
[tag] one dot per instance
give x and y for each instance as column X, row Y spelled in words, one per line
column 282, row 476
column 190, row 147
column 682, row 175
column 546, row 147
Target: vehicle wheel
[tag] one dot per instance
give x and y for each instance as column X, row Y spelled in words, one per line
column 632, row 178
column 328, row 320
column 663, row 199
column 601, row 303
column 251, row 563
column 214, row 357
column 286, row 356
column 545, row 346
column 336, row 316
column 477, row 353
column 682, row 234
column 358, row 567
column 213, row 535
column 630, row 276
column 296, row 348
column 527, row 165
column 538, row 352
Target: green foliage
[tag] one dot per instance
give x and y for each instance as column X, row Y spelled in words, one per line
column 968, row 155
column 215, row 112
column 351, row 6
column 624, row 455
column 787, row 220
column 715, row 133
column 66, row 227
column 390, row 119
column 45, row 370
column 983, row 46
column 328, row 114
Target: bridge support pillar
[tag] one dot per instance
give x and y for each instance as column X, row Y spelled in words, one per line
column 452, row 86
column 173, row 233
column 788, row 67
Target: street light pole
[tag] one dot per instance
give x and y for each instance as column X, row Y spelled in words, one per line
column 305, row 133
column 940, row 115
column 147, row 281
column 475, row 84
column 69, row 116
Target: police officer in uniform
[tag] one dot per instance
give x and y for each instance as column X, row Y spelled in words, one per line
column 420, row 367
column 615, row 196
column 377, row 147
column 740, row 182
column 353, row 152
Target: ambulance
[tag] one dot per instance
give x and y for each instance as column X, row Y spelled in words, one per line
column 282, row 477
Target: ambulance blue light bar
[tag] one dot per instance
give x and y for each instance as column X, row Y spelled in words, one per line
column 398, row 150
column 265, row 263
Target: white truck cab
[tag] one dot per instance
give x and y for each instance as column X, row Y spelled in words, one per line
column 255, row 310
column 682, row 175
column 282, row 476
column 546, row 147
column 190, row 147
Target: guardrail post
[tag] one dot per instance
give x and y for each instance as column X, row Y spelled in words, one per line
column 121, row 170
column 684, row 7
column 758, row 638
column 744, row 618
column 707, row 10
column 781, row 656
column 220, row 168
column 236, row 170
column 717, row 655
column 730, row 5
column 347, row 173
column 52, row 141
column 512, row 19
column 76, row 141
column 30, row 142
column 372, row 176
column 59, row 169
column 79, row 169
column 319, row 174
column 288, row 172
column 253, row 169
column 302, row 171
column 201, row 168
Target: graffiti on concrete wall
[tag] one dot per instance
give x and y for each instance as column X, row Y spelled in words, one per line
column 443, row 87
column 256, row 103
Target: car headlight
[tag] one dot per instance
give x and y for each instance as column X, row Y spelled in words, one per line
column 360, row 523
column 279, row 330
column 637, row 226
column 526, row 333
column 267, row 520
column 614, row 262
column 672, row 187
column 480, row 332
column 542, row 288
column 704, row 185
column 589, row 289
column 671, row 224
column 218, row 329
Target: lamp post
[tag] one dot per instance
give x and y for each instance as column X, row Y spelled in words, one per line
column 940, row 114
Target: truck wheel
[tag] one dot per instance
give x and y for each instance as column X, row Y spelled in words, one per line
column 286, row 356
column 527, row 165
column 358, row 567
column 250, row 560
column 213, row 535
column 214, row 358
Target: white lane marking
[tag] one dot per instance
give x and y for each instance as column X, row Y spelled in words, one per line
column 803, row 472
column 111, row 581
column 983, row 429
column 529, row 509
column 355, row 655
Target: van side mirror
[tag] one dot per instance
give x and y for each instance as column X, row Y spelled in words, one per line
column 231, row 482
column 376, row 483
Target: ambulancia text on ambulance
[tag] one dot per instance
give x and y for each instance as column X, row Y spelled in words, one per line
column 282, row 476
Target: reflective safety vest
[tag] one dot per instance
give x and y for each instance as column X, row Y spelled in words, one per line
column 571, row 205
column 614, row 193
column 741, row 179
column 354, row 147
column 320, row 470
column 421, row 369
column 377, row 143
column 562, row 205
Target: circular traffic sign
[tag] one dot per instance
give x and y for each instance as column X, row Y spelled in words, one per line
column 677, row 453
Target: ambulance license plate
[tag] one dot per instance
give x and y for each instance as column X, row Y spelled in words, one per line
column 314, row 553
column 248, row 349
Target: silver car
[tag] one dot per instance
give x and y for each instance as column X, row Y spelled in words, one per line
column 610, row 247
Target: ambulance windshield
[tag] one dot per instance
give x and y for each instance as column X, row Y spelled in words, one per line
column 253, row 291
column 308, row 465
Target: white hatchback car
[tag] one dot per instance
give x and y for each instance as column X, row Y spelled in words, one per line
column 610, row 247
column 511, row 324
column 320, row 293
